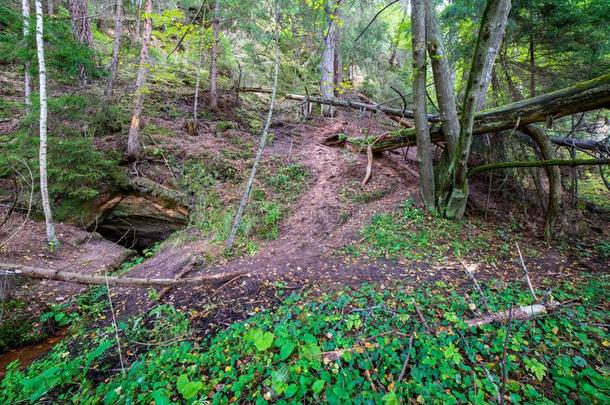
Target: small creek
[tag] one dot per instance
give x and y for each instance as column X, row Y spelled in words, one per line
column 30, row 353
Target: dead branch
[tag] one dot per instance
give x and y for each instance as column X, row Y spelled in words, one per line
column 94, row 279
column 526, row 274
column 521, row 314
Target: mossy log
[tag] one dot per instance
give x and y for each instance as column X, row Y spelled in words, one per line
column 586, row 96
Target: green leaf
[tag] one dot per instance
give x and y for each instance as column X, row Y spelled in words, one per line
column 311, row 351
column 286, row 350
column 579, row 361
column 264, row 341
column 317, row 386
column 160, row 398
column 188, row 389
column 390, row 399
column 291, row 390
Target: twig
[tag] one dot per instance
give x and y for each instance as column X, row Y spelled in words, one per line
column 403, row 372
column 504, row 352
column 476, row 285
column 114, row 323
column 421, row 316
column 373, row 20
column 526, row 276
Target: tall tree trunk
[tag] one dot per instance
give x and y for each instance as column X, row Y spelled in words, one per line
column 42, row 79
column 327, row 63
column 422, row 131
column 491, row 32
column 27, row 84
column 442, row 80
column 80, row 21
column 114, row 63
column 82, row 29
column 134, row 145
column 532, row 56
column 198, row 81
column 338, row 60
column 214, row 58
column 50, row 8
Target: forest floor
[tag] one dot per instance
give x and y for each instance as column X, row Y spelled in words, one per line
column 310, row 250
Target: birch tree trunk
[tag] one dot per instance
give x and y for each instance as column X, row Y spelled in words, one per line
column 327, row 64
column 263, row 141
column 114, row 63
column 443, row 83
column 491, row 32
column 214, row 58
column 134, row 145
column 198, row 81
column 338, row 59
column 42, row 156
column 422, row 131
column 27, row 84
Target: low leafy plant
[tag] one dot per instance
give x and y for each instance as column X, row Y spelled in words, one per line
column 345, row 346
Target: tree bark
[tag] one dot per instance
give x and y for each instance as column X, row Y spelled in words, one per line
column 453, row 198
column 138, row 18
column 82, row 29
column 422, row 131
column 50, row 8
column 327, row 62
column 443, row 84
column 134, row 144
column 214, row 58
column 94, row 279
column 532, row 67
column 42, row 79
column 27, row 83
column 114, row 63
column 263, row 140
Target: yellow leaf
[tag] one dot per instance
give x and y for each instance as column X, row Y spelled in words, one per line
column 391, row 386
column 605, row 343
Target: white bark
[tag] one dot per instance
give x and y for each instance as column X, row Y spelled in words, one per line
column 214, row 58
column 42, row 73
column 263, row 141
column 198, row 82
column 27, row 84
column 114, row 64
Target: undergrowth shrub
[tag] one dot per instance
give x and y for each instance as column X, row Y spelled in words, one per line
column 413, row 234
column 345, row 346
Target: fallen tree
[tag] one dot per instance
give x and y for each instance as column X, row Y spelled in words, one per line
column 586, row 96
column 337, row 102
column 95, row 279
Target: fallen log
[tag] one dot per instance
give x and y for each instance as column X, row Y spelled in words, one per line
column 522, row 314
column 586, row 96
column 95, row 279
column 337, row 102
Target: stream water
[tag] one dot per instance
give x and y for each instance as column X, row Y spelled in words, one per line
column 30, row 353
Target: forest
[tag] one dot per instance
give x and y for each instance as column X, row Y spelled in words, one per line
column 305, row 201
